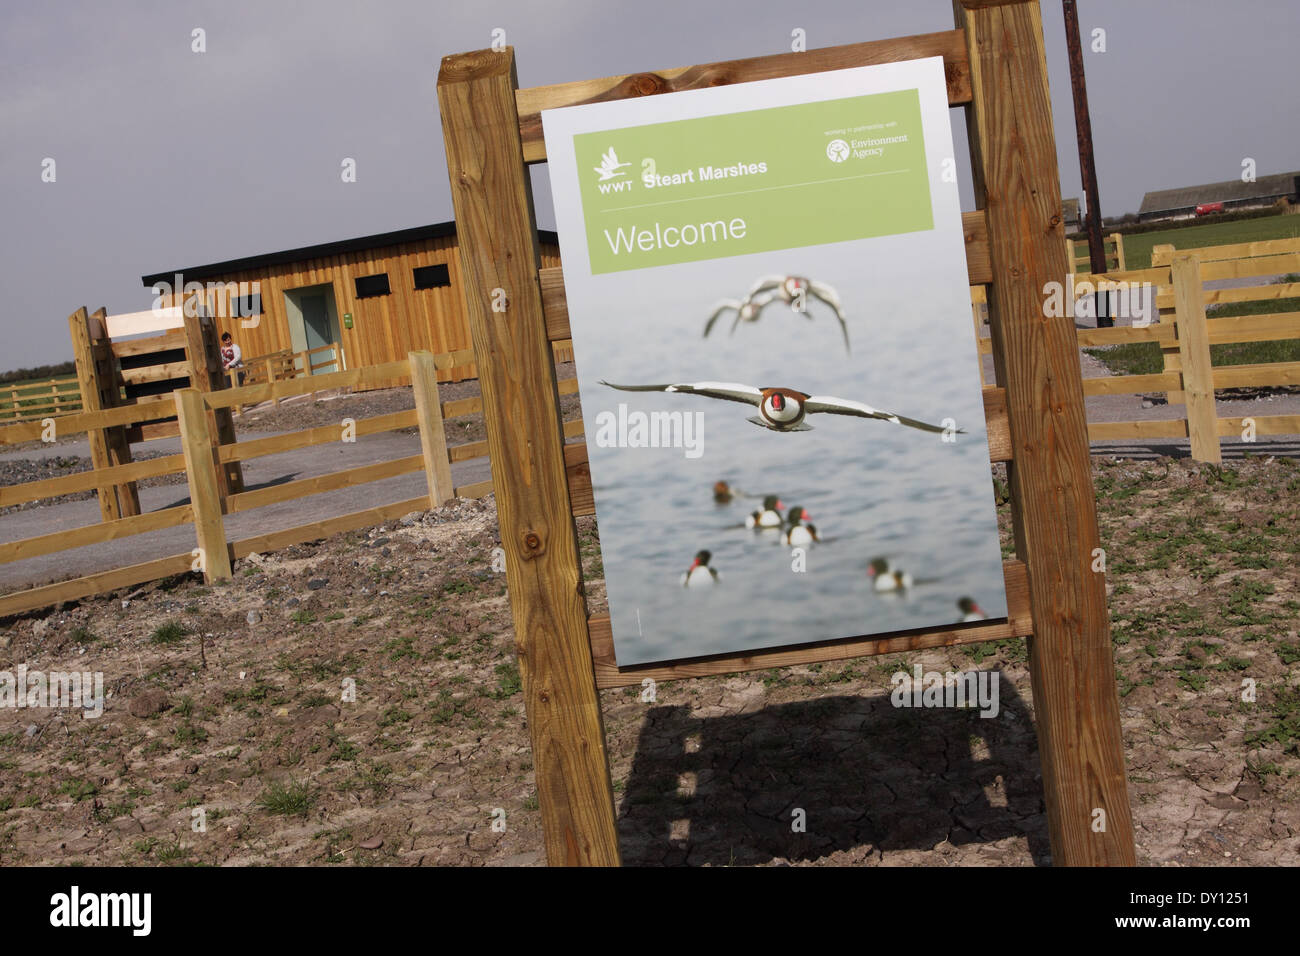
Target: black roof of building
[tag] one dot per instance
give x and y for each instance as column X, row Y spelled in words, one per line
column 1234, row 190
column 439, row 230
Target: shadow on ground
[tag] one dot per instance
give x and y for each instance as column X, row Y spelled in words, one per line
column 870, row 777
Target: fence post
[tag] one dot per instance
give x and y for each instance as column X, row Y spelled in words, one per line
column 1120, row 264
column 433, row 437
column 201, row 467
column 1194, row 349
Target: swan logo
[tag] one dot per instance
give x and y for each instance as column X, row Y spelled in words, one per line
column 837, row 151
column 609, row 166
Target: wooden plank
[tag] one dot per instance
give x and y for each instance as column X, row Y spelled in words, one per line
column 1254, row 293
column 1264, row 425
column 1254, row 328
column 433, row 435
column 175, row 339
column 109, row 381
column 139, row 433
column 150, row 320
column 1247, row 376
column 255, row 394
column 92, row 584
column 87, row 480
column 1123, row 334
column 274, row 540
column 997, row 424
column 89, row 420
column 1152, row 428
column 155, row 373
column 530, row 102
column 1013, row 155
column 476, row 490
column 61, row 384
column 469, row 406
column 260, row 497
column 323, row 434
column 1164, row 255
column 497, row 234
column 1250, row 268
column 88, row 382
column 25, row 548
column 1018, row 623
column 474, row 449
column 201, row 466
column 1131, row 384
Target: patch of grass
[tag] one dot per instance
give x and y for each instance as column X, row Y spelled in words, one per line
column 509, row 680
column 83, row 635
column 1284, row 728
column 293, row 799
column 303, row 616
column 189, row 735
column 393, row 715
column 78, row 789
column 168, row 633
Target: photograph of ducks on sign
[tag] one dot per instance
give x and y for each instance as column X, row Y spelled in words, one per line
column 770, row 311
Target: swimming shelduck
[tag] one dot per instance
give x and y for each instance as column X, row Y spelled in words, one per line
column 886, row 578
column 799, row 531
column 700, row 574
column 971, row 610
column 782, row 409
column 769, row 516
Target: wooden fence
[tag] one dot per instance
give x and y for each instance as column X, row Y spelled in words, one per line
column 1114, row 248
column 201, row 455
column 48, row 399
column 1185, row 331
column 286, row 363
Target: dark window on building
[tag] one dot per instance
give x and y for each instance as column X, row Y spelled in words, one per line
column 432, row 277
column 369, row 286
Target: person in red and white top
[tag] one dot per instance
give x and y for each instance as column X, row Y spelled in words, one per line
column 232, row 359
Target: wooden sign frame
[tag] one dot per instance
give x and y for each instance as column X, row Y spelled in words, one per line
column 995, row 67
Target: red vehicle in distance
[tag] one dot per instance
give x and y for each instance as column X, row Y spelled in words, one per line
column 1205, row 208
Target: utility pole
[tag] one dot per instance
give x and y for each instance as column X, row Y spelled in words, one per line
column 1087, row 168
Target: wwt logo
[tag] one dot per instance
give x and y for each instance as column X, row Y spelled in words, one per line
column 610, row 169
column 103, row 909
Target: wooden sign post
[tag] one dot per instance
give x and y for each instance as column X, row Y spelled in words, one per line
column 995, row 68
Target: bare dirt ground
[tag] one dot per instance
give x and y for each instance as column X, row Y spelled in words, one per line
column 228, row 701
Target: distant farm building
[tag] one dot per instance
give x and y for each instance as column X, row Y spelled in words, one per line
column 379, row 297
column 1233, row 194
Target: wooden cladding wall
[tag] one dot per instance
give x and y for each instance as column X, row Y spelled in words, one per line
column 385, row 328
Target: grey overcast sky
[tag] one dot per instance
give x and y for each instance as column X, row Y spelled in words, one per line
column 167, row 158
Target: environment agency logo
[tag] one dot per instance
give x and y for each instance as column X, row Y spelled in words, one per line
column 837, row 151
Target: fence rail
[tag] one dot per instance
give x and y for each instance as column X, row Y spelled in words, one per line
column 1184, row 333
column 1113, row 246
column 50, row 398
column 202, row 454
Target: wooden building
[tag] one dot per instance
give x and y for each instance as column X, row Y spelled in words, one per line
column 379, row 297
